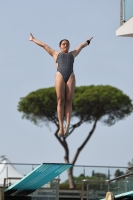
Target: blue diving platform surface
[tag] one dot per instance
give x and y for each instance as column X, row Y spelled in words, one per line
column 41, row 175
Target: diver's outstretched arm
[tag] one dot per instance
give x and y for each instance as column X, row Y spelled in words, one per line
column 41, row 44
column 80, row 47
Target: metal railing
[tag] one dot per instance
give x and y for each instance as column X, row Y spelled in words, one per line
column 97, row 189
column 121, row 184
column 93, row 189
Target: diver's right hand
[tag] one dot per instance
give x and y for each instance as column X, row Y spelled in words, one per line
column 31, row 37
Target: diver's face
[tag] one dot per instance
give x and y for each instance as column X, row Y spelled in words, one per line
column 65, row 46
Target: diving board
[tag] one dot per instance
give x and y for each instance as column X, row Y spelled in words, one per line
column 36, row 179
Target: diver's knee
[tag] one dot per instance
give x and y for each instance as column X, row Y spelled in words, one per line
column 61, row 101
column 68, row 102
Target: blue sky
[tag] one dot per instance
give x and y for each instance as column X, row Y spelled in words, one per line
column 25, row 67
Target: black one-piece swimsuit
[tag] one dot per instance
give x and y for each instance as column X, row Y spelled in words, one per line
column 65, row 65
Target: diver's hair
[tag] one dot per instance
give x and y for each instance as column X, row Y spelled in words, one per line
column 63, row 40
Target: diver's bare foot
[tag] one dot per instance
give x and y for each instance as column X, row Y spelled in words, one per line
column 31, row 37
column 66, row 130
column 60, row 133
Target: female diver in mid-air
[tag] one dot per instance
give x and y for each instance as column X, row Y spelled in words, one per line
column 65, row 79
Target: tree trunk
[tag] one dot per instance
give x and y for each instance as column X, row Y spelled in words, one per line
column 70, row 178
column 70, row 171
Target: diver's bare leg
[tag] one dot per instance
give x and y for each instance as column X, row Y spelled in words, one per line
column 70, row 88
column 60, row 91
